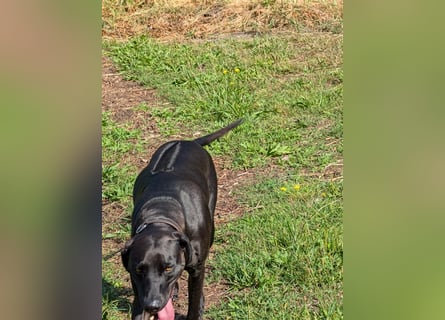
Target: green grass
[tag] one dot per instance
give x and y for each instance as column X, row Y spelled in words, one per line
column 283, row 258
column 115, row 305
column 265, row 80
column 118, row 140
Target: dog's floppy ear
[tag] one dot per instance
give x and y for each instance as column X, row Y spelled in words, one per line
column 184, row 242
column 125, row 252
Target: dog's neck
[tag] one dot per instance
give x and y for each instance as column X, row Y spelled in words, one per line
column 157, row 210
column 166, row 221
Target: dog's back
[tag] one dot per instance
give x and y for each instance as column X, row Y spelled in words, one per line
column 180, row 160
column 175, row 165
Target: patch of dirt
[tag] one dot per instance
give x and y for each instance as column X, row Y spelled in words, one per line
column 121, row 98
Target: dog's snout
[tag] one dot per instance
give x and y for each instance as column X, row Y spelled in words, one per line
column 153, row 306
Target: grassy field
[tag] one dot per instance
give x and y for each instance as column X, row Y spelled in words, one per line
column 282, row 258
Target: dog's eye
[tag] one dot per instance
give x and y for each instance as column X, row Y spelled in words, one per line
column 168, row 269
column 140, row 270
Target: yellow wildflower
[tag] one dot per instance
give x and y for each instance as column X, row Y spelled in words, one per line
column 297, row 187
column 225, row 71
column 283, row 189
column 236, row 70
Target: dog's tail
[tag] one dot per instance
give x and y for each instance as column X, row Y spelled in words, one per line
column 203, row 141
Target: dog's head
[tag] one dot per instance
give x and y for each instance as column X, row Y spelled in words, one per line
column 155, row 260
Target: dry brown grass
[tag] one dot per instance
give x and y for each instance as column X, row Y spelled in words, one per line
column 186, row 19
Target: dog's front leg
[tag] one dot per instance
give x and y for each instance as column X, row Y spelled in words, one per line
column 136, row 309
column 196, row 296
column 136, row 312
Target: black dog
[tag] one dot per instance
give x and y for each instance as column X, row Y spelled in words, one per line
column 172, row 227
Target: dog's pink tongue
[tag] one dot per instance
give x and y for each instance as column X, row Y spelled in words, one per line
column 168, row 313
